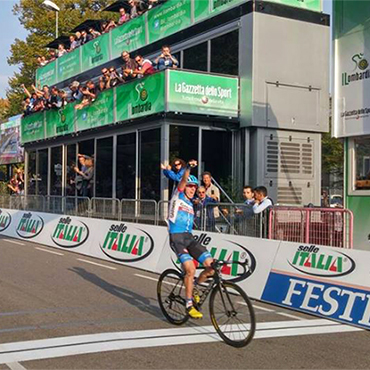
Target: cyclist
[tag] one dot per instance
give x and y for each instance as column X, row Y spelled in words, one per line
column 181, row 217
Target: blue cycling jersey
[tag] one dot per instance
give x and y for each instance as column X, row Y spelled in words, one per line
column 181, row 213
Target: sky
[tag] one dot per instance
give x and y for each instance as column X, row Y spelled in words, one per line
column 10, row 26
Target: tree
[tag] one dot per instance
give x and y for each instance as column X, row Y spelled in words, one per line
column 41, row 26
column 4, row 107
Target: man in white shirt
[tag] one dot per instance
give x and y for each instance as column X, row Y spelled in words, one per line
column 262, row 201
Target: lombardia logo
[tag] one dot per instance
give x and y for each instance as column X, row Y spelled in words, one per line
column 5, row 220
column 142, row 104
column 228, row 251
column 29, row 226
column 127, row 245
column 363, row 73
column 309, row 260
column 70, row 233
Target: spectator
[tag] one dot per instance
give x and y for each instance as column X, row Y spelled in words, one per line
column 19, row 176
column 123, row 16
column 87, row 175
column 73, row 42
column 85, row 37
column 134, row 11
column 104, row 79
column 201, row 209
column 61, row 50
column 166, row 60
column 145, row 67
column 108, row 26
column 52, row 55
column 212, row 191
column 128, row 67
column 13, row 186
column 176, row 171
column 78, row 38
column 94, row 33
column 26, row 106
column 101, row 84
column 248, row 195
column 76, row 94
column 41, row 61
column 89, row 95
column 262, row 201
column 114, row 78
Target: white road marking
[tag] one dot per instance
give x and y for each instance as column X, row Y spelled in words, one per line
column 15, row 366
column 46, row 250
column 96, row 264
column 146, row 277
column 289, row 315
column 103, row 342
column 13, row 241
column 261, row 308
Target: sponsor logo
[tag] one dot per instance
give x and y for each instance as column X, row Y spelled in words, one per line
column 228, row 251
column 356, row 113
column 360, row 71
column 127, row 245
column 142, row 104
column 5, row 220
column 70, row 233
column 99, row 55
column 309, row 260
column 29, row 226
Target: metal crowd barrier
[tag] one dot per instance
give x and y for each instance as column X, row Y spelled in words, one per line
column 321, row 226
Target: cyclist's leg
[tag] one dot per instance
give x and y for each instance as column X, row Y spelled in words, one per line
column 202, row 255
column 207, row 272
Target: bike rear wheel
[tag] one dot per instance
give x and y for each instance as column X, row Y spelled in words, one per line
column 171, row 297
column 232, row 314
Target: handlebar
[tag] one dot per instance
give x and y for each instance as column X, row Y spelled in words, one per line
column 218, row 264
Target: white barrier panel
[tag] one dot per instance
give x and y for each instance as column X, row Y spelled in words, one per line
column 324, row 281
column 141, row 246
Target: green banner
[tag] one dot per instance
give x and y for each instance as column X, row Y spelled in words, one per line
column 130, row 36
column 171, row 17
column 98, row 113
column 69, row 65
column 202, row 94
column 60, row 121
column 33, row 128
column 95, row 52
column 46, row 75
column 141, row 98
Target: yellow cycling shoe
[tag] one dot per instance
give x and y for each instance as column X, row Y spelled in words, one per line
column 196, row 297
column 194, row 313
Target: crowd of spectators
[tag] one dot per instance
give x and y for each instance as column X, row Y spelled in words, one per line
column 137, row 8
column 16, row 183
column 40, row 99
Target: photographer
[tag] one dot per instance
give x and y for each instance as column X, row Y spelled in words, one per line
column 166, row 60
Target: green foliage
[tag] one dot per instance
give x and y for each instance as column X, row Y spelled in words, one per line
column 4, row 108
column 4, row 190
column 40, row 23
column 332, row 155
column 232, row 189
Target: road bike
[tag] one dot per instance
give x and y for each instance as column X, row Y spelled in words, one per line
column 231, row 310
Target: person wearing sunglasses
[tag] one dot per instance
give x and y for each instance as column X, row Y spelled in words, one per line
column 203, row 209
column 180, row 219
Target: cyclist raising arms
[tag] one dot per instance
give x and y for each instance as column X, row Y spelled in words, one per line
column 181, row 219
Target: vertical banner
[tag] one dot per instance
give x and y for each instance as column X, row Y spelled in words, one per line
column 203, row 94
column 173, row 16
column 33, row 128
column 60, row 121
column 130, row 36
column 98, row 113
column 46, row 75
column 69, row 65
column 10, row 147
column 95, row 52
column 141, row 97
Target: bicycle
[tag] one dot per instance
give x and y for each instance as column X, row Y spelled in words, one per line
column 227, row 302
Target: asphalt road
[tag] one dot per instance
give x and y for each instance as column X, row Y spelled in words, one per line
column 61, row 310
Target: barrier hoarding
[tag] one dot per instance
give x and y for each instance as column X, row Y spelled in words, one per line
column 60, row 121
column 95, row 52
column 97, row 114
column 141, row 97
column 202, row 94
column 130, row 36
column 33, row 127
column 171, row 17
column 69, row 65
column 10, row 149
column 47, row 75
column 323, row 281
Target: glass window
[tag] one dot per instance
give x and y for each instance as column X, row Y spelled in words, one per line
column 104, row 167
column 195, row 58
column 150, row 156
column 225, row 54
column 31, row 185
column 56, row 171
column 126, row 166
column 86, row 150
column 71, row 174
column 42, row 177
column 217, row 155
column 362, row 158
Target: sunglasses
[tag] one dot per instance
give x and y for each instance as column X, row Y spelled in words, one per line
column 177, row 164
column 201, row 192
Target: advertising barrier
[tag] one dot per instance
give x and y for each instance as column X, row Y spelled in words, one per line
column 47, row 75
column 10, row 148
column 60, row 121
column 322, row 281
column 69, row 65
column 95, row 52
column 33, row 127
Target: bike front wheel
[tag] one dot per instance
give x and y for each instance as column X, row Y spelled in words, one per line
column 232, row 314
column 171, row 297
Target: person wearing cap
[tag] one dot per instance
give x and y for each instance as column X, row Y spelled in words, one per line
column 180, row 219
column 76, row 94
